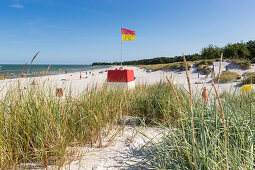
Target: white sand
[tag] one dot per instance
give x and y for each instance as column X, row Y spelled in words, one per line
column 121, row 151
column 117, row 154
column 73, row 81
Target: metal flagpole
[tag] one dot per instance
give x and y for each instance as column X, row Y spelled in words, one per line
column 121, row 53
column 121, row 49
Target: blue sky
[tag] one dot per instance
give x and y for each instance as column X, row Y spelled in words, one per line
column 86, row 31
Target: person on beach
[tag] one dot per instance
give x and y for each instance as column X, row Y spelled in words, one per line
column 204, row 94
column 245, row 76
column 19, row 85
column 80, row 76
column 213, row 74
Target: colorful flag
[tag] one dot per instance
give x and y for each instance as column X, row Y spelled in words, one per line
column 127, row 34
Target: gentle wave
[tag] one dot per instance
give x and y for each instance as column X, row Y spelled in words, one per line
column 39, row 70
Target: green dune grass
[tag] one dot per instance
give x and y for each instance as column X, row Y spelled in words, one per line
column 38, row 127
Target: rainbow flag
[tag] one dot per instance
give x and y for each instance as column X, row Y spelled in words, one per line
column 127, row 34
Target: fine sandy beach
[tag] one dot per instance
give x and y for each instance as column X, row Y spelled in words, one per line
column 93, row 78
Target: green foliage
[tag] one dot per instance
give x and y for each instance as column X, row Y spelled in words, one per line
column 251, row 47
column 250, row 79
column 173, row 66
column 200, row 67
column 227, row 76
column 206, row 70
column 244, row 64
column 253, row 60
column 157, row 103
column 38, row 127
column 211, row 52
column 204, row 62
column 154, row 67
column 178, row 65
column 172, row 152
column 203, row 66
column 231, row 51
column 237, row 50
column 249, row 73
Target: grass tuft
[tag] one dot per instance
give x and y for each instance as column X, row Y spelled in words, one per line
column 214, row 143
column 250, row 79
column 227, row 76
column 244, row 64
column 38, row 127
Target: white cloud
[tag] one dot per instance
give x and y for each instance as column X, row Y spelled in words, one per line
column 17, row 6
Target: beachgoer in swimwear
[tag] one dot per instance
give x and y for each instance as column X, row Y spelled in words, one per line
column 19, row 85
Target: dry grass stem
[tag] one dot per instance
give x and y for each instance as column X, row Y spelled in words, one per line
column 221, row 57
column 223, row 123
column 47, row 70
column 32, row 61
column 190, row 98
column 22, row 69
column 179, row 105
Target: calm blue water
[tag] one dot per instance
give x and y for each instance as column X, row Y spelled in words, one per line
column 37, row 70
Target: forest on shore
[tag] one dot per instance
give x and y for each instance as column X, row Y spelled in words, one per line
column 240, row 50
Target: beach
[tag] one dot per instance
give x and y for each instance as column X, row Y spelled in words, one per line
column 98, row 77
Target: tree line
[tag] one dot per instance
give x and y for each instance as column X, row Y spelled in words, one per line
column 240, row 50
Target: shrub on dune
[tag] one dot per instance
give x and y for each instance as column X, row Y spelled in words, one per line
column 250, row 79
column 244, row 64
column 227, row 76
column 204, row 69
column 204, row 62
column 154, row 67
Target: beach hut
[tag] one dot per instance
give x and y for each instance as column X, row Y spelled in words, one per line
column 121, row 78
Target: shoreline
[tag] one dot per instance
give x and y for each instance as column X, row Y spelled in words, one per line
column 40, row 69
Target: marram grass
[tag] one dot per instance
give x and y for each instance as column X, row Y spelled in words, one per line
column 172, row 152
column 38, row 127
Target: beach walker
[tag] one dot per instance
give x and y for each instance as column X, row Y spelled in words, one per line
column 121, row 78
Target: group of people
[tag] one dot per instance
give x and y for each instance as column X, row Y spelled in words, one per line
column 91, row 73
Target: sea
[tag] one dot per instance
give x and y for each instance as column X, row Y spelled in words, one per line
column 36, row 70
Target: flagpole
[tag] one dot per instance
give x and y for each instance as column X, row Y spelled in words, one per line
column 121, row 48
column 121, row 54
